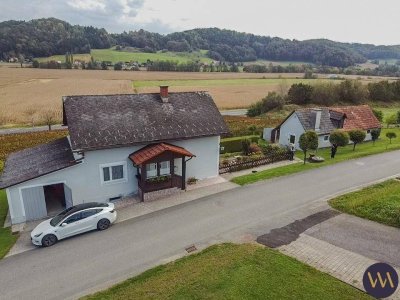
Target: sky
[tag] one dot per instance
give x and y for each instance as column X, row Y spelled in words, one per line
column 365, row 21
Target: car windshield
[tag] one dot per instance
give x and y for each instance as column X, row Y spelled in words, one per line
column 57, row 219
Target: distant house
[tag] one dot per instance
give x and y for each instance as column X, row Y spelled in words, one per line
column 323, row 121
column 119, row 145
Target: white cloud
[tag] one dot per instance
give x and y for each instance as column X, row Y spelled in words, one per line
column 342, row 20
column 89, row 5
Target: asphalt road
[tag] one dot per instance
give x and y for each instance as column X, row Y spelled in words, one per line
column 31, row 129
column 84, row 264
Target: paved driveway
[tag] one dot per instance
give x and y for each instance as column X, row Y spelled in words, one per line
column 373, row 240
column 87, row 263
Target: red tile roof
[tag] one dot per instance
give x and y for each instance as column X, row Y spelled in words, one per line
column 358, row 117
column 149, row 152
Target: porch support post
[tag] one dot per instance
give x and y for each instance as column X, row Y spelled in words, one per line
column 172, row 171
column 183, row 173
column 143, row 181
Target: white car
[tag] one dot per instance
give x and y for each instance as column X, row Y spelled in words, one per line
column 72, row 221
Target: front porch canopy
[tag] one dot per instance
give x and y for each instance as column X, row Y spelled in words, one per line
column 156, row 167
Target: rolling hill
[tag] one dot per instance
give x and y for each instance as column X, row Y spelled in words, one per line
column 47, row 37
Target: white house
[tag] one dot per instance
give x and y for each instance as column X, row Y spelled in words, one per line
column 323, row 121
column 118, row 145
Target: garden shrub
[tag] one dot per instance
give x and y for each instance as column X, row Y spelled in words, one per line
column 254, row 148
column 231, row 145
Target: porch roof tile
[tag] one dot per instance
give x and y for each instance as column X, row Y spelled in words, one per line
column 151, row 151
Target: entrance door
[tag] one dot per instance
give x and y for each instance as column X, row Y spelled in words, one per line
column 292, row 139
column 34, row 203
column 68, row 196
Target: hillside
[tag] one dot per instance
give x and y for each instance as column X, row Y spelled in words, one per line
column 47, row 37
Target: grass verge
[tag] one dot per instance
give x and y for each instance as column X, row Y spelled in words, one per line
column 7, row 240
column 230, row 271
column 345, row 153
column 380, row 203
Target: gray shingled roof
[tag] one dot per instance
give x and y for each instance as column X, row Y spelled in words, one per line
column 37, row 161
column 307, row 119
column 97, row 122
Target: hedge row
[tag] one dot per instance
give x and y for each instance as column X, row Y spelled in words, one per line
column 234, row 144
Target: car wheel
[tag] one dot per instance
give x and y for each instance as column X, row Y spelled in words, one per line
column 49, row 240
column 103, row 224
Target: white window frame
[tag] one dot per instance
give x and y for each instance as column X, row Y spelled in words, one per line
column 326, row 138
column 111, row 181
column 168, row 168
column 147, row 172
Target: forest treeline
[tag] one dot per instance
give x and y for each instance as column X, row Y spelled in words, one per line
column 46, row 37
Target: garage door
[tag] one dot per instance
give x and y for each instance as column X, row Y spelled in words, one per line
column 34, row 203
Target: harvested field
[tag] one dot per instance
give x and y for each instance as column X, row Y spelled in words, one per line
column 28, row 96
column 227, row 93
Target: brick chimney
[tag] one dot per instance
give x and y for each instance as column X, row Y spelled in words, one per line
column 164, row 93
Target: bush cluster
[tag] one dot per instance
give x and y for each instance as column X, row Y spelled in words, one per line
column 232, row 145
column 270, row 102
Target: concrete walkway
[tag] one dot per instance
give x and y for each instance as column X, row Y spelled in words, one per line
column 345, row 246
column 194, row 192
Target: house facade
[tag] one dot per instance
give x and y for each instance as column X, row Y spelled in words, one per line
column 323, row 121
column 118, row 146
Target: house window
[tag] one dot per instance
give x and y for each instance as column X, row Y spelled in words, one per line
column 368, row 131
column 164, row 168
column 326, row 138
column 292, row 139
column 151, row 170
column 115, row 172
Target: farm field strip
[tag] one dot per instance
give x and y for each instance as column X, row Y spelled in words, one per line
column 222, row 82
column 125, row 56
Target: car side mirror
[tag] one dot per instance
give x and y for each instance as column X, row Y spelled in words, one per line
column 63, row 224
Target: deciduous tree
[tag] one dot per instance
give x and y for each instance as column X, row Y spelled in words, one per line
column 357, row 137
column 308, row 141
column 339, row 138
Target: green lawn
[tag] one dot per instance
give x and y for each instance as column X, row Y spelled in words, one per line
column 380, row 203
column 388, row 110
column 116, row 56
column 229, row 271
column 346, row 153
column 7, row 240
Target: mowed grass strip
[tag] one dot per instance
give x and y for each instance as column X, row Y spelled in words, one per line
column 344, row 153
column 380, row 203
column 230, row 271
column 7, row 240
